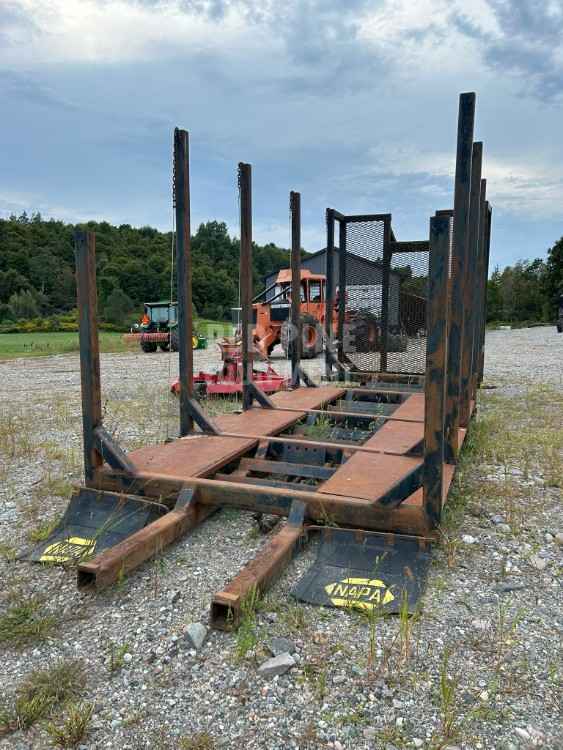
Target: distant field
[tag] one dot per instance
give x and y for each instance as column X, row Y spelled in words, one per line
column 43, row 344
column 14, row 345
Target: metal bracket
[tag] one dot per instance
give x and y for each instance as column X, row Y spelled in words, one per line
column 111, row 452
column 186, row 497
column 260, row 396
column 201, row 419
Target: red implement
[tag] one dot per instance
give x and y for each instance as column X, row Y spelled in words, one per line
column 228, row 379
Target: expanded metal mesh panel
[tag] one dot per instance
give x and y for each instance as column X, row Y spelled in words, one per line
column 364, row 292
column 367, row 286
column 409, row 338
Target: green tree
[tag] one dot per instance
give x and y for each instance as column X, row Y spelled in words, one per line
column 552, row 281
column 24, row 305
column 118, row 306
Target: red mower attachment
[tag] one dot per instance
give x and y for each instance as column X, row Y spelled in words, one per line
column 228, row 380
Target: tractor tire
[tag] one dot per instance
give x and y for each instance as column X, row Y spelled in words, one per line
column 311, row 337
column 365, row 336
column 149, row 346
column 174, row 344
column 164, row 346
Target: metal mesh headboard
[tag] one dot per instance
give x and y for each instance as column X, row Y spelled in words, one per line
column 364, row 246
column 385, row 283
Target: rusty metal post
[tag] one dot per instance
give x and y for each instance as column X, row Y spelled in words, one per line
column 466, row 123
column 471, row 285
column 296, row 327
column 436, row 358
column 85, row 253
column 489, row 212
column 245, row 188
column 385, row 281
column 342, row 256
column 184, row 277
column 329, row 290
column 481, row 291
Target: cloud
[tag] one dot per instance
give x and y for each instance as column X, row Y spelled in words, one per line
column 24, row 88
column 526, row 42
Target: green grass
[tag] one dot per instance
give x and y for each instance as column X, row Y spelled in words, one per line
column 25, row 623
column 14, row 345
column 41, row 693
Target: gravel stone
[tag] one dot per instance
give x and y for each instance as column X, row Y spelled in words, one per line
column 277, row 665
column 218, row 691
column 196, row 633
column 280, row 646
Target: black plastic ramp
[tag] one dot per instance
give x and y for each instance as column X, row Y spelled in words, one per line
column 93, row 521
column 366, row 571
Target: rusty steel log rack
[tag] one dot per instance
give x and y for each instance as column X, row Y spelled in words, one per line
column 387, row 464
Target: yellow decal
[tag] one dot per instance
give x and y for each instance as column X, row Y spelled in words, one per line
column 73, row 548
column 359, row 593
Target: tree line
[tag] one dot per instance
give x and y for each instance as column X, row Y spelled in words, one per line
column 528, row 291
column 134, row 266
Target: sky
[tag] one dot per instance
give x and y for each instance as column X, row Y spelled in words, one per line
column 351, row 102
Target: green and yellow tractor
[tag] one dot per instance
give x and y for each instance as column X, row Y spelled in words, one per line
column 159, row 328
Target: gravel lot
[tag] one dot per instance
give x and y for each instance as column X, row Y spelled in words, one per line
column 479, row 668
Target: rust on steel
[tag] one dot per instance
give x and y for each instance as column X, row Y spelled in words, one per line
column 489, row 212
column 480, row 292
column 470, row 284
column 462, row 187
column 385, row 281
column 342, row 256
column 436, row 361
column 109, row 566
column 184, row 277
column 85, row 253
column 329, row 290
column 296, row 327
column 245, row 188
column 408, row 517
column 258, row 574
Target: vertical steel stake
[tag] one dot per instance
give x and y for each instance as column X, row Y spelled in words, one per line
column 296, row 327
column 245, row 187
column 85, row 253
column 342, row 257
column 470, row 283
column 436, row 358
column 488, row 213
column 329, row 290
column 385, row 282
column 184, row 277
column 466, row 123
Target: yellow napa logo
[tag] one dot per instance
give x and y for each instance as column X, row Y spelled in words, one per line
column 359, row 593
column 74, row 548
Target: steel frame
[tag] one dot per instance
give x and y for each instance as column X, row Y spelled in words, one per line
column 411, row 503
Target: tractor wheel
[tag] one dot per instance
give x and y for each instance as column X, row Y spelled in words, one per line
column 365, row 335
column 149, row 346
column 174, row 341
column 285, row 337
column 164, row 346
column 311, row 337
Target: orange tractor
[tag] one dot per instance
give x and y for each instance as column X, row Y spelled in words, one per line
column 271, row 314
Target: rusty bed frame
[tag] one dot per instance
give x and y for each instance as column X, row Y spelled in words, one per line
column 396, row 481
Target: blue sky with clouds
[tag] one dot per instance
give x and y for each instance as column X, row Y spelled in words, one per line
column 354, row 103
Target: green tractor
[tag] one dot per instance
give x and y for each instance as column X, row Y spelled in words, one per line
column 159, row 328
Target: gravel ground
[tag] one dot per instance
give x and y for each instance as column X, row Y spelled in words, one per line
column 478, row 668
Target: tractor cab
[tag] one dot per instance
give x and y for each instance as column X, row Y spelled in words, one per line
column 159, row 316
column 312, row 290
